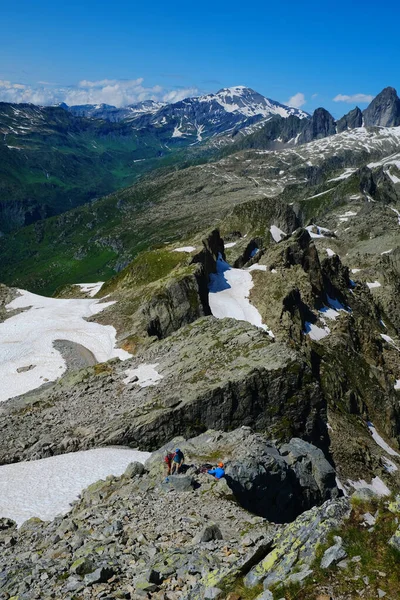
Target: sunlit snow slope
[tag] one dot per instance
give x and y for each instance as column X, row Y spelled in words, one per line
column 27, row 356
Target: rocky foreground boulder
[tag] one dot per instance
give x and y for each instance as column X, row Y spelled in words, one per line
column 275, row 482
column 138, row 536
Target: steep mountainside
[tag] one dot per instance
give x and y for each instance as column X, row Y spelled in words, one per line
column 47, row 153
column 55, row 158
column 112, row 113
column 250, row 315
column 52, row 161
column 97, row 240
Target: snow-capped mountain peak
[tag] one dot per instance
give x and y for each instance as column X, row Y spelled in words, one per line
column 248, row 102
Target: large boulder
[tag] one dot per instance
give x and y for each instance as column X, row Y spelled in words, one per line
column 275, row 483
column 279, row 484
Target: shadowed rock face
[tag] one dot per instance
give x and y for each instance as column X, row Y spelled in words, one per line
column 280, row 484
column 319, row 126
column 384, row 110
column 353, row 119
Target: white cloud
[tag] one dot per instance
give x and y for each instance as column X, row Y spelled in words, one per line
column 11, row 86
column 354, row 99
column 297, row 100
column 177, row 95
column 314, row 95
column 106, row 91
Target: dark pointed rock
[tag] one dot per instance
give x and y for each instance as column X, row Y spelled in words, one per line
column 321, row 125
column 353, row 119
column 384, row 110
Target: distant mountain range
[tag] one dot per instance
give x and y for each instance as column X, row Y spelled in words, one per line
column 57, row 157
column 238, row 101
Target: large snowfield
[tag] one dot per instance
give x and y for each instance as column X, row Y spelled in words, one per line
column 45, row 488
column 27, row 355
column 228, row 296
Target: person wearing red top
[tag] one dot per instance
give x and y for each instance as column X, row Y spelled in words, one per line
column 168, row 458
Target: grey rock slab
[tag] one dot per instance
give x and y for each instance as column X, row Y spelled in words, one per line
column 334, row 553
column 208, row 533
column 134, row 468
column 100, row 575
column 394, row 541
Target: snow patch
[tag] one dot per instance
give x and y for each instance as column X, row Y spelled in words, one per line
column 388, row 465
column 330, row 252
column 320, row 231
column 389, row 340
column 257, row 268
column 185, row 249
column 277, row 233
column 229, row 291
column 45, row 488
column 27, row 339
column 380, row 441
column 90, row 288
column 376, row 486
column 230, row 244
column 345, row 175
column 315, row 332
column 146, row 375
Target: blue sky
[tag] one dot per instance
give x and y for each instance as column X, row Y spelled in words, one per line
column 120, row 52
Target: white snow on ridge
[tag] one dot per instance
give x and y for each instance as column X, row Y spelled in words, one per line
column 380, row 441
column 345, row 175
column 389, row 340
column 389, row 465
column 320, row 231
column 185, row 249
column 90, row 288
column 257, row 267
column 45, row 488
column 228, row 296
column 26, row 339
column 147, row 375
column 376, row 486
column 277, row 233
column 397, row 212
column 315, row 332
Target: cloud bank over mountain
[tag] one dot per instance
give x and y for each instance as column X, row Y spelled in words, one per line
column 106, row 91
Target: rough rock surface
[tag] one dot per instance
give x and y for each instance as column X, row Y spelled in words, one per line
column 134, row 536
column 215, row 373
column 277, row 483
column 384, row 110
column 353, row 119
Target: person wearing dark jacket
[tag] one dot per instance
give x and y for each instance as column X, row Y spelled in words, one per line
column 177, row 462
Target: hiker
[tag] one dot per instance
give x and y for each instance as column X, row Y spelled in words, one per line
column 218, row 472
column 168, row 458
column 177, row 462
